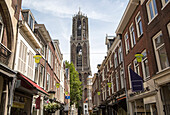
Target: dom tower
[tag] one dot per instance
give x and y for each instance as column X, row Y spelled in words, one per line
column 80, row 57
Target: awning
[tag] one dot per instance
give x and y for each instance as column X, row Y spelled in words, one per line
column 33, row 84
column 150, row 99
column 7, row 71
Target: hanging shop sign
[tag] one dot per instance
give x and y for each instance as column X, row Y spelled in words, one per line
column 19, row 101
column 37, row 102
column 67, row 97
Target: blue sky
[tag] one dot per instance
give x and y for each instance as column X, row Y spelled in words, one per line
column 103, row 16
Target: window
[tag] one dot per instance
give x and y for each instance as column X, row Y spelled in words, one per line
column 164, row 2
column 79, row 28
column 108, row 88
column 54, row 86
column 139, row 25
column 110, row 63
column 168, row 27
column 30, row 22
column 1, row 28
column 145, row 67
column 49, row 56
column 105, row 92
column 132, row 35
column 160, row 52
column 48, row 82
column 136, row 67
column 43, row 49
column 30, row 65
column 103, row 75
column 130, row 84
column 112, row 84
column 127, row 42
column 40, row 81
column 120, row 55
column 151, row 9
column 79, row 55
column 122, row 78
column 115, row 60
column 52, row 60
column 117, row 81
column 22, row 58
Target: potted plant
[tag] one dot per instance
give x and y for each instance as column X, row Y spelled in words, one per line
column 51, row 107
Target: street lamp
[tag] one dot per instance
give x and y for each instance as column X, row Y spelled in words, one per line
column 138, row 57
column 66, row 92
column 57, row 85
column 98, row 92
column 37, row 58
column 109, row 84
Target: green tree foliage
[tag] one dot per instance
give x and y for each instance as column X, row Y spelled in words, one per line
column 75, row 85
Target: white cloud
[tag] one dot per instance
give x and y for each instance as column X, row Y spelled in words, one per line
column 104, row 16
column 101, row 10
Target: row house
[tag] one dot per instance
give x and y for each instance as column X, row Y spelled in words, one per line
column 36, row 82
column 111, row 84
column 145, row 28
column 96, row 93
column 66, row 89
column 29, row 87
column 9, row 15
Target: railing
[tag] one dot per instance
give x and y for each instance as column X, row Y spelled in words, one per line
column 4, row 54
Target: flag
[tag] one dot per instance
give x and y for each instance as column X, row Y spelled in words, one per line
column 136, row 81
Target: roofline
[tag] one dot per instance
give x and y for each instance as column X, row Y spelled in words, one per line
column 127, row 15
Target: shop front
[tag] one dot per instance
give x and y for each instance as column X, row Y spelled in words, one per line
column 144, row 102
column 23, row 96
column 7, row 80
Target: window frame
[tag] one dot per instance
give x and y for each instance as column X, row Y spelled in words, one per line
column 115, row 60
column 164, row 3
column 158, row 61
column 48, row 82
column 149, row 11
column 132, row 35
column 117, row 81
column 126, row 38
column 168, row 28
column 22, row 58
column 2, row 29
column 122, row 78
column 143, row 67
column 136, row 66
column 138, row 24
column 112, row 84
column 130, row 84
column 120, row 55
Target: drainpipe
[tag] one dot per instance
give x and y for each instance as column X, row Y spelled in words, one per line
column 12, row 88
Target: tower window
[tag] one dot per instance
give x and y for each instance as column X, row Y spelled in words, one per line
column 79, row 27
column 79, row 55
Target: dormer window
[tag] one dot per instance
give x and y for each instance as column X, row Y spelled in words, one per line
column 30, row 22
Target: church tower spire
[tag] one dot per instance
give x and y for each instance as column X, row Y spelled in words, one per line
column 80, row 52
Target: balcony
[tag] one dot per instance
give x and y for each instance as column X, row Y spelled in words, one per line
column 5, row 54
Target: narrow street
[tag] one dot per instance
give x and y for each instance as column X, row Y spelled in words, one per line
column 76, row 57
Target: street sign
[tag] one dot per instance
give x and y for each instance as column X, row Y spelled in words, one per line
column 67, row 97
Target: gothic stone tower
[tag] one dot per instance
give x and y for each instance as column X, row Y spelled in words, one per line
column 79, row 44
